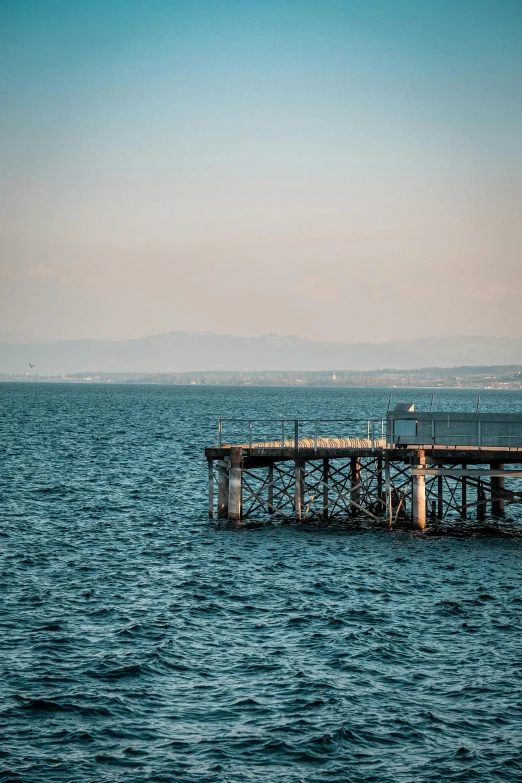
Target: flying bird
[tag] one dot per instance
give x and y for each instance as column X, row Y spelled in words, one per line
column 32, row 365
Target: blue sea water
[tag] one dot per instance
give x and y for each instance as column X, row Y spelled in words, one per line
column 139, row 642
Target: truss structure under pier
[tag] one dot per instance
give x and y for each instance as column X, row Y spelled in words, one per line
column 340, row 481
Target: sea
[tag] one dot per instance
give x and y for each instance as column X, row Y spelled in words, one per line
column 141, row 641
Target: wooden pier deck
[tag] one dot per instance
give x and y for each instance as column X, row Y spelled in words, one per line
column 347, row 447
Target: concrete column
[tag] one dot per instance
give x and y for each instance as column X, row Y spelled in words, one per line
column 222, row 504
column 210, row 489
column 419, row 494
column 355, row 491
column 326, row 476
column 299, row 488
column 497, row 487
column 235, row 483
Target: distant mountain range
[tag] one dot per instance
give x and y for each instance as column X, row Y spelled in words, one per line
column 190, row 352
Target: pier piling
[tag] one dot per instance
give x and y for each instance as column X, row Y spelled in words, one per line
column 481, row 502
column 210, row 489
column 440, row 496
column 497, row 490
column 355, row 491
column 223, row 485
column 380, row 491
column 299, row 487
column 326, row 477
column 235, row 483
column 464, row 494
column 419, row 493
column 271, row 507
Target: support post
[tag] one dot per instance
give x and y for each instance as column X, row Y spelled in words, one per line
column 481, row 505
column 235, row 483
column 389, row 501
column 299, row 488
column 326, row 476
column 271, row 509
column 355, row 491
column 210, row 489
column 223, row 480
column 440, row 496
column 497, row 489
column 380, row 493
column 419, row 494
column 463, row 509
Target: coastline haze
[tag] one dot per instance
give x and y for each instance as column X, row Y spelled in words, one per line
column 176, row 352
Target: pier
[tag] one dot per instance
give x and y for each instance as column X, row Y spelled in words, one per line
column 406, row 468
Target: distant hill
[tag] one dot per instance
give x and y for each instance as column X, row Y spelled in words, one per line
column 189, row 352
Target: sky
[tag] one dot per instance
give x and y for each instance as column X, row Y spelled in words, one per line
column 345, row 170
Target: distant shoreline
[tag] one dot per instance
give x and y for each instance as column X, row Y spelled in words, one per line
column 497, row 378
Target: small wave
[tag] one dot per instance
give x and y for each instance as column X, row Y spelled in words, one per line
column 50, row 705
column 50, row 627
column 246, row 702
column 450, row 607
column 118, row 673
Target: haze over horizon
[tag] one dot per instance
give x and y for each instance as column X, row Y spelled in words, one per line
column 174, row 352
column 262, row 336
column 339, row 171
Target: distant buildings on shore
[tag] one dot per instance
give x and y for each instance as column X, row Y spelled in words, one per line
column 495, row 377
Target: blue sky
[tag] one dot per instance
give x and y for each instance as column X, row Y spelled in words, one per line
column 169, row 164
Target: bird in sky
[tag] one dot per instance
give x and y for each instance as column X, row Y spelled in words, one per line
column 32, row 365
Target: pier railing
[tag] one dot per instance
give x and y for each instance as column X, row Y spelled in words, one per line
column 478, row 430
column 301, row 433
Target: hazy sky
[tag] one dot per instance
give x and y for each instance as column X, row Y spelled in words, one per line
column 336, row 169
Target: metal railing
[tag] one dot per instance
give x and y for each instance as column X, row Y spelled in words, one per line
column 458, row 432
column 448, row 441
column 291, row 432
